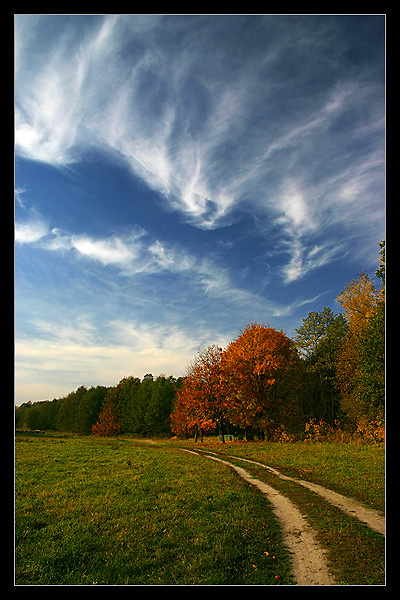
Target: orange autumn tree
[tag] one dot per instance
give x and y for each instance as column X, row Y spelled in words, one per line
column 252, row 366
column 108, row 424
column 200, row 403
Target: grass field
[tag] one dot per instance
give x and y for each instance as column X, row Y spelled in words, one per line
column 113, row 511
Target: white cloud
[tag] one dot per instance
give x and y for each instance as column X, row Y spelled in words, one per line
column 208, row 139
column 29, row 232
column 18, row 196
column 171, row 259
column 195, row 280
column 305, row 259
column 107, row 252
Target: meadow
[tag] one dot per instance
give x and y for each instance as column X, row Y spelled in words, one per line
column 113, row 511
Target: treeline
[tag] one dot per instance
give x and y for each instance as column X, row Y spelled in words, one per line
column 329, row 377
column 140, row 407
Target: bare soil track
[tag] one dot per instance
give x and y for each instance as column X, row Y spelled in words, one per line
column 373, row 518
column 309, row 559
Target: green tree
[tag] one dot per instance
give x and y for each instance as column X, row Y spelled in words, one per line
column 361, row 360
column 108, row 423
column 20, row 415
column 371, row 364
column 65, row 417
column 318, row 340
column 159, row 407
column 126, row 410
column 88, row 406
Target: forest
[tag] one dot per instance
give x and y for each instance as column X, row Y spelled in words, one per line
column 329, row 378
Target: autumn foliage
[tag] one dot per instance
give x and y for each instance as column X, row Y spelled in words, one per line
column 330, row 376
column 234, row 387
column 360, row 363
column 108, row 424
column 200, row 404
column 253, row 364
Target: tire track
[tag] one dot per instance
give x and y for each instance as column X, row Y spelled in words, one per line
column 309, row 560
column 374, row 519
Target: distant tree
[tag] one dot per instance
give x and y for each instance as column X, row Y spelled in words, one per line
column 371, row 364
column 358, row 300
column 108, row 423
column 157, row 418
column 66, row 413
column 79, row 410
column 127, row 412
column 20, row 415
column 139, row 406
column 89, row 403
column 200, row 403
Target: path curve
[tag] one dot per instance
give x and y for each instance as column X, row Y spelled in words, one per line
column 309, row 560
column 371, row 517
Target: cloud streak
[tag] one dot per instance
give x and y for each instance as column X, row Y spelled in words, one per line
column 212, row 133
column 136, row 254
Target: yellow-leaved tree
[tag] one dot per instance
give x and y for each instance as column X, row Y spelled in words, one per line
column 360, row 363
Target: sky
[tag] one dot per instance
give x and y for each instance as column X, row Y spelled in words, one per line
column 178, row 177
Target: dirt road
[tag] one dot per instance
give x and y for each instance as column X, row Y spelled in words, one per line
column 309, row 559
column 373, row 518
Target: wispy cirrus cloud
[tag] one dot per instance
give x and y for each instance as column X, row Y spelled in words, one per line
column 211, row 136
column 112, row 251
column 136, row 253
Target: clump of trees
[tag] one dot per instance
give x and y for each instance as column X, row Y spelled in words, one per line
column 361, row 360
column 329, row 377
column 138, row 407
column 133, row 406
column 240, row 389
column 76, row 412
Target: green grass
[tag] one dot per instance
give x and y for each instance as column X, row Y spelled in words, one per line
column 110, row 511
column 355, row 553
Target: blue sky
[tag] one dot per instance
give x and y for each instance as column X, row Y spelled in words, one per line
column 177, row 177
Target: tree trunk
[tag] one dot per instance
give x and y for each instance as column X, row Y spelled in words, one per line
column 221, row 431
